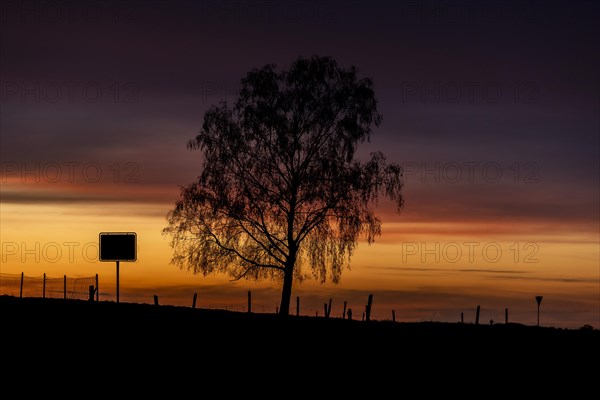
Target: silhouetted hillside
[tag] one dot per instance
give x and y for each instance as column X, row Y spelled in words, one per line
column 79, row 335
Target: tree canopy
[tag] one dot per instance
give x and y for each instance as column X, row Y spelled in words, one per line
column 281, row 194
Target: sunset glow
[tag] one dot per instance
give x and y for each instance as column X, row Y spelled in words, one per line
column 501, row 191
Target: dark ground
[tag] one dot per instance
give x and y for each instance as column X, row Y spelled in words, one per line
column 107, row 341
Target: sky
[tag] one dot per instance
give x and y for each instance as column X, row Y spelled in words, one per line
column 491, row 107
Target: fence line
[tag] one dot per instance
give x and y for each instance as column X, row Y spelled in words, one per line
column 21, row 285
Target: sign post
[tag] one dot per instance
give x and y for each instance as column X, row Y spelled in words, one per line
column 118, row 246
column 117, row 281
column 538, row 299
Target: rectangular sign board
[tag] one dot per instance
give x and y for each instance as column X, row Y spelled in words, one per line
column 118, row 246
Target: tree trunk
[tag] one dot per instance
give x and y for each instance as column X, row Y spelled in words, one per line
column 290, row 262
column 286, row 293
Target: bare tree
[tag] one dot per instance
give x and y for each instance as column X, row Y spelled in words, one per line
column 281, row 192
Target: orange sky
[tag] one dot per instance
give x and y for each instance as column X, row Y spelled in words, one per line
column 423, row 269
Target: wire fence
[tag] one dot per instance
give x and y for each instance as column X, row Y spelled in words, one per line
column 243, row 307
column 46, row 287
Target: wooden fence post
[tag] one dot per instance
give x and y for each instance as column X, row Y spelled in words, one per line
column 506, row 315
column 194, row 300
column 369, row 304
column 91, row 293
column 249, row 301
column 344, row 313
column 477, row 316
column 44, row 287
column 329, row 309
column 155, row 300
column 297, row 305
column 65, row 287
column 393, row 315
column 21, row 290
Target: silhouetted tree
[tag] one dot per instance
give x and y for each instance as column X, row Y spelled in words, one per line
column 280, row 188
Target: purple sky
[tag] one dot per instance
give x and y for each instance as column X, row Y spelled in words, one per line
column 490, row 82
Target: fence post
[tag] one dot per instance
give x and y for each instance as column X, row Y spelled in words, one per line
column 65, row 287
column 506, row 315
column 297, row 305
column 21, row 290
column 325, row 314
column 249, row 301
column 194, row 300
column 91, row 293
column 369, row 304
column 97, row 290
column 155, row 300
column 344, row 312
column 462, row 318
column 393, row 315
column 44, row 287
column 477, row 316
column 329, row 309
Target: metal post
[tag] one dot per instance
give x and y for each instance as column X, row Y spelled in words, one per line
column 117, row 282
column 21, row 290
column 369, row 304
column 538, row 299
column 44, row 288
column 64, row 287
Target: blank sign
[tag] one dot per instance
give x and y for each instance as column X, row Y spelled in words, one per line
column 118, row 246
